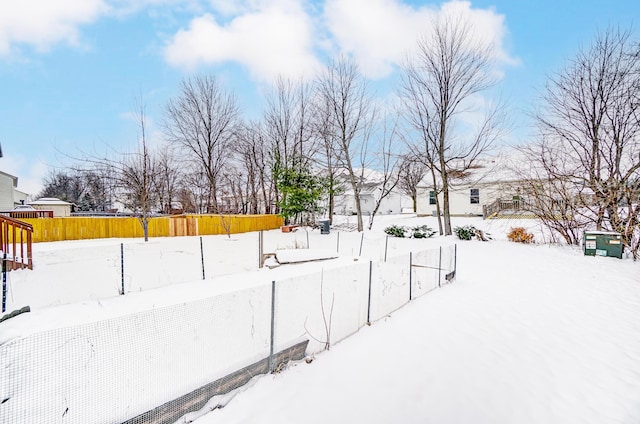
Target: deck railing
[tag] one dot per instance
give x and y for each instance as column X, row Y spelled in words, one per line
column 16, row 241
column 27, row 214
column 500, row 205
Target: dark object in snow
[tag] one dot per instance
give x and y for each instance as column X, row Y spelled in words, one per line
column 171, row 411
column 15, row 313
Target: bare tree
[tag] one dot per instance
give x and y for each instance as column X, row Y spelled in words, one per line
column 328, row 154
column 438, row 84
column 203, row 119
column 387, row 161
column 168, row 178
column 590, row 135
column 132, row 175
column 411, row 171
column 137, row 174
column 344, row 95
column 287, row 128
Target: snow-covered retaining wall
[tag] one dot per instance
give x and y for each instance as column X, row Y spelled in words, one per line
column 113, row 370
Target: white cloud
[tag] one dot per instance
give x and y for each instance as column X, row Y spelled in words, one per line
column 30, row 172
column 44, row 23
column 273, row 38
column 378, row 33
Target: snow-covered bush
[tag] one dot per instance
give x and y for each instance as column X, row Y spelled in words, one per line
column 422, row 231
column 465, row 232
column 395, row 231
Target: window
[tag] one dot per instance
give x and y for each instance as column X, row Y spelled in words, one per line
column 475, row 196
column 432, row 197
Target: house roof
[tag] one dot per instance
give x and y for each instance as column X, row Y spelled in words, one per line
column 49, row 201
column 490, row 170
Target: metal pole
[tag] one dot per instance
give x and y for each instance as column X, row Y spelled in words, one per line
column 455, row 260
column 369, row 299
column 122, row 267
column 273, row 321
column 202, row 257
column 440, row 267
column 4, row 282
column 307, row 238
column 338, row 243
column 260, row 248
column 386, row 243
column 410, row 275
column 361, row 241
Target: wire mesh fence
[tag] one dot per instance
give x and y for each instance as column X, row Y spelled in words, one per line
column 155, row 366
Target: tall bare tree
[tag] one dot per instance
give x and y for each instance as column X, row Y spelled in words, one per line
column 252, row 152
column 137, row 173
column 168, row 178
column 202, row 119
column 350, row 109
column 387, row 161
column 590, row 135
column 451, row 66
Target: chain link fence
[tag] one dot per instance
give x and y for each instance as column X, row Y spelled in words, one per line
column 155, row 366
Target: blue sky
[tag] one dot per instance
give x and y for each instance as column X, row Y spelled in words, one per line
column 69, row 69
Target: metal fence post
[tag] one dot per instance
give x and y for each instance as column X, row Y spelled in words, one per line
column 260, row 249
column 273, row 322
column 122, row 268
column 4, row 282
column 440, row 267
column 455, row 260
column 202, row 257
column 361, row 241
column 410, row 275
column 338, row 242
column 369, row 298
column 386, row 243
column 307, row 231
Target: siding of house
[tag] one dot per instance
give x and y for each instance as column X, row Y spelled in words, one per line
column 460, row 199
column 6, row 192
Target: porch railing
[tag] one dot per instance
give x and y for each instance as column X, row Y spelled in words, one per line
column 500, row 205
column 16, row 240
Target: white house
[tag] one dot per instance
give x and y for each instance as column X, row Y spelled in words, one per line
column 469, row 192
column 393, row 203
column 370, row 190
column 10, row 196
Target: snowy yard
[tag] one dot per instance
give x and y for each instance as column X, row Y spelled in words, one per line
column 526, row 334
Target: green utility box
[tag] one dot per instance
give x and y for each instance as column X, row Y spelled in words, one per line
column 602, row 243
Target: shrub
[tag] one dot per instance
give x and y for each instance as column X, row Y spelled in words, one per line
column 465, row 233
column 520, row 235
column 395, row 231
column 422, row 231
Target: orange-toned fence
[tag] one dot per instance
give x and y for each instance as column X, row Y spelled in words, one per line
column 15, row 240
column 78, row 228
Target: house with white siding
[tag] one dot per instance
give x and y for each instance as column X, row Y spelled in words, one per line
column 370, row 190
column 471, row 191
column 10, row 196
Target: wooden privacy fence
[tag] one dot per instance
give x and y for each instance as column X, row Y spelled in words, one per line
column 79, row 228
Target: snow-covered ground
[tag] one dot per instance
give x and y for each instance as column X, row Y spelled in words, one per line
column 526, row 334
